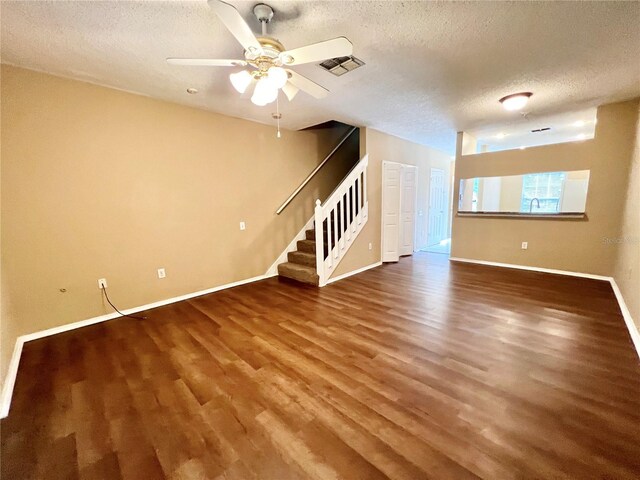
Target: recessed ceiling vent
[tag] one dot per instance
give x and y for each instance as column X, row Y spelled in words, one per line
column 341, row 65
column 537, row 130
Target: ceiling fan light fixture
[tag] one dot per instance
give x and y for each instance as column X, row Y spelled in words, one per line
column 240, row 80
column 277, row 76
column 516, row 101
column 264, row 93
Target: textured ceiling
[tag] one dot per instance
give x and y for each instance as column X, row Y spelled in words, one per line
column 432, row 68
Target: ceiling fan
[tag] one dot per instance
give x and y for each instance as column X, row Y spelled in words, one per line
column 267, row 58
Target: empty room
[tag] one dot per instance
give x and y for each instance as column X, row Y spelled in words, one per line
column 319, row 240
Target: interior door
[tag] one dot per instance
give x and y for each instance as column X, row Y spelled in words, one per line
column 408, row 179
column 390, row 211
column 437, row 207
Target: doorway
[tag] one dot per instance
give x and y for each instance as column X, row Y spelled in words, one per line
column 399, row 197
column 438, row 240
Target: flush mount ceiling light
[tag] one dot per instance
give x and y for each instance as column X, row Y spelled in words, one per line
column 267, row 60
column 515, row 101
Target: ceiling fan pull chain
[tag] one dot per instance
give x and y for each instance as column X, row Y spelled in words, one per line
column 278, row 113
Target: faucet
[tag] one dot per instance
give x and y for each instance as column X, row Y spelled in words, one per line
column 531, row 204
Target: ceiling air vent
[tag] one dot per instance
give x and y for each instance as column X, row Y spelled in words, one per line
column 341, row 65
column 540, row 129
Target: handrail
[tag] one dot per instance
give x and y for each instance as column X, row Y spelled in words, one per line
column 315, row 170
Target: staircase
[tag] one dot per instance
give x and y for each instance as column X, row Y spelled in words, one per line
column 337, row 221
column 301, row 265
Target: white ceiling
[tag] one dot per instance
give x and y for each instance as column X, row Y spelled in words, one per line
column 432, row 68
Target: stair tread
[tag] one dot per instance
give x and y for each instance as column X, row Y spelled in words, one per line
column 303, row 258
column 298, row 267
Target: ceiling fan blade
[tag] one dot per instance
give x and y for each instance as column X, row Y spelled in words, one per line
column 206, row 62
column 290, row 90
column 306, row 85
column 336, row 47
column 236, row 25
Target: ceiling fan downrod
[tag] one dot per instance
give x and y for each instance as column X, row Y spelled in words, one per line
column 264, row 14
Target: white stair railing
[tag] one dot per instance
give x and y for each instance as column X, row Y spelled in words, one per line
column 339, row 220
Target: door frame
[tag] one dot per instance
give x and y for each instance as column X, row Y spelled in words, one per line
column 446, row 213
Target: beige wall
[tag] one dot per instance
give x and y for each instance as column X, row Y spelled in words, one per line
column 380, row 147
column 627, row 265
column 101, row 183
column 559, row 244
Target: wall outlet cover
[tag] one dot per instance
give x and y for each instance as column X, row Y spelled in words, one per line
column 525, row 245
column 243, row 226
column 161, row 273
column 102, row 283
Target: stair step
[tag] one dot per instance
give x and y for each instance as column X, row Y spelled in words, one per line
column 311, row 235
column 301, row 273
column 302, row 258
column 308, row 246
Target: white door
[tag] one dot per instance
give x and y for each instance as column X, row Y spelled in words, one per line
column 437, row 207
column 408, row 179
column 390, row 211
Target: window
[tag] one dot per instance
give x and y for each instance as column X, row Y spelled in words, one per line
column 541, row 192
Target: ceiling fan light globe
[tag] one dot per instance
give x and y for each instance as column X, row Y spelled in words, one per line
column 264, row 93
column 277, row 76
column 240, row 80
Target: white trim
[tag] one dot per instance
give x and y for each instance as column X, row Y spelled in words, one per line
column 532, row 269
column 354, row 272
column 628, row 320
column 626, row 314
column 10, row 378
column 292, row 247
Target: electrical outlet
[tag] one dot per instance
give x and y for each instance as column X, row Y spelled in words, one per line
column 161, row 273
column 102, row 283
column 242, row 226
column 525, row 245
column 370, row 246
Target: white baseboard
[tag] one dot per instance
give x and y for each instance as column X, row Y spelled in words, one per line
column 531, row 269
column 628, row 320
column 10, row 378
column 354, row 272
column 292, row 247
column 631, row 326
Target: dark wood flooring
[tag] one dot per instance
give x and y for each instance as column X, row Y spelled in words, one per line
column 415, row 370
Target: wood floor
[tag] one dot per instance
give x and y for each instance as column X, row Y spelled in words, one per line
column 415, row 370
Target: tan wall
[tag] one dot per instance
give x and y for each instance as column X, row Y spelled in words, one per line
column 627, row 266
column 101, row 183
column 559, row 244
column 380, row 147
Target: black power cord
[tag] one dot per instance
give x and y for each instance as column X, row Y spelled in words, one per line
column 104, row 291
